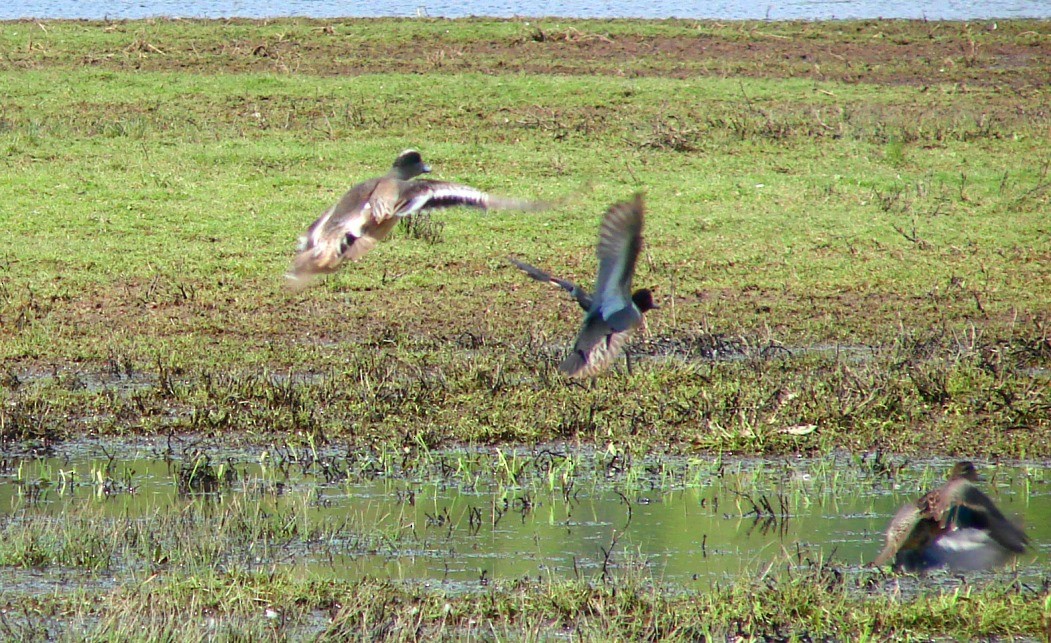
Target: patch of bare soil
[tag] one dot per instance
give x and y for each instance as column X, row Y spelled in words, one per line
column 1012, row 54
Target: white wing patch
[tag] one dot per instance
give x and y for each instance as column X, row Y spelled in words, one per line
column 356, row 225
column 462, row 194
column 317, row 230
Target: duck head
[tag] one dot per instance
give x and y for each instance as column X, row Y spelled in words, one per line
column 964, row 470
column 643, row 300
column 408, row 165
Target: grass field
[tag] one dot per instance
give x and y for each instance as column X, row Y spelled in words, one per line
column 159, row 173
column 847, row 230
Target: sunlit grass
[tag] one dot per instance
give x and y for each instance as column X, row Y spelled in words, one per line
column 407, row 392
column 848, row 239
column 804, row 599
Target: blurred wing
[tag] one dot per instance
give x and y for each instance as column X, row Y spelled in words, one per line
column 969, row 549
column 336, row 218
column 619, row 244
column 596, row 347
column 413, row 196
column 904, row 530
column 322, row 247
column 579, row 294
column 972, row 508
column 371, row 234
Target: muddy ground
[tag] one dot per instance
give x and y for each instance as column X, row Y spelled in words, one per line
column 1011, row 54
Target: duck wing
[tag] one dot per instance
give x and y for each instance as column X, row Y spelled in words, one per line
column 619, row 244
column 402, row 198
column 365, row 224
column 367, row 213
column 595, row 348
column 961, row 504
column 581, row 296
column 968, row 549
column 326, row 245
column 909, row 530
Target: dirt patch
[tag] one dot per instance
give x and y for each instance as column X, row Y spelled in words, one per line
column 1009, row 53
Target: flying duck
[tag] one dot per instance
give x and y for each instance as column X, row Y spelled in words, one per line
column 368, row 211
column 613, row 311
column 956, row 526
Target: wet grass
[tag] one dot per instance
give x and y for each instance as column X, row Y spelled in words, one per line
column 804, row 599
column 920, row 395
column 226, row 559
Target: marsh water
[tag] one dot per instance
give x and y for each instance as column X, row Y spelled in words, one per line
column 701, row 9
column 462, row 518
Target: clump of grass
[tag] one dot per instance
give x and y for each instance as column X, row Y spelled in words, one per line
column 671, row 135
column 79, row 541
column 236, row 531
column 704, row 391
column 200, row 476
column 424, row 227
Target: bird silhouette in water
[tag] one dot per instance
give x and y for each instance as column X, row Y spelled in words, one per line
column 955, row 526
column 612, row 311
column 370, row 210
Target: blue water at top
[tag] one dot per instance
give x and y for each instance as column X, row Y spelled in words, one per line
column 699, row 9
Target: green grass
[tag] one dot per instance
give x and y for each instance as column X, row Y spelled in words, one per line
column 159, row 173
column 881, row 185
column 809, row 602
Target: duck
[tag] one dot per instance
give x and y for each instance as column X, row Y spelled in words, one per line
column 955, row 526
column 367, row 213
column 612, row 312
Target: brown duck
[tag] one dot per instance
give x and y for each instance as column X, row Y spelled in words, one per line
column 370, row 210
column 956, row 526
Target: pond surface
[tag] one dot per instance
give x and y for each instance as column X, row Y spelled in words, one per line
column 462, row 518
column 700, row 9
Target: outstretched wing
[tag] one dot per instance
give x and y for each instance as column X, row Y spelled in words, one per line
column 581, row 296
column 960, row 504
column 907, row 530
column 368, row 212
column 402, row 198
column 345, row 231
column 619, row 244
column 612, row 315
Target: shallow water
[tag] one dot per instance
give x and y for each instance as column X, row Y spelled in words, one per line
column 454, row 519
column 710, row 9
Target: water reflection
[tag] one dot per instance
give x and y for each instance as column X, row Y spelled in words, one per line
column 708, row 9
column 457, row 521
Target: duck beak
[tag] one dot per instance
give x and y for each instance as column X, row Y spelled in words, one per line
column 426, row 168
